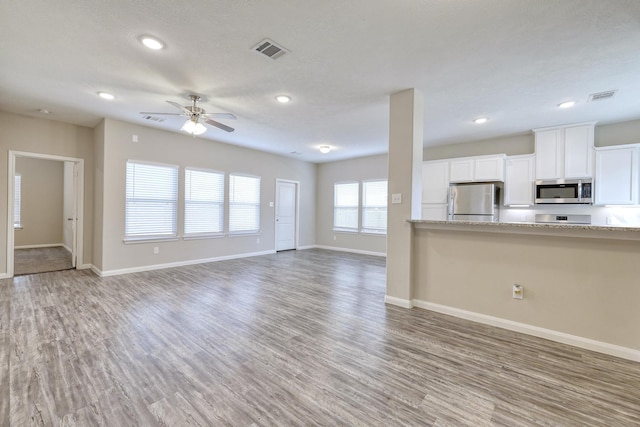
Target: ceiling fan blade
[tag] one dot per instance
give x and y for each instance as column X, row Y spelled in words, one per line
column 180, row 107
column 163, row 114
column 219, row 125
column 223, row 116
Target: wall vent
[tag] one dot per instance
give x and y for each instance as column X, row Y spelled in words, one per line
column 601, row 95
column 153, row 118
column 270, row 49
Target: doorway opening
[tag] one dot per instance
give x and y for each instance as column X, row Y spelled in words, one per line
column 45, row 213
column 287, row 214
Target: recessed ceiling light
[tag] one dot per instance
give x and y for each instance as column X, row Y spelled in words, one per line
column 283, row 99
column 324, row 149
column 105, row 95
column 152, row 42
column 567, row 104
column 44, row 111
column 480, row 120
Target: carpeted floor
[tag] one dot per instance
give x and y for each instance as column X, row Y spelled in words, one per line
column 40, row 260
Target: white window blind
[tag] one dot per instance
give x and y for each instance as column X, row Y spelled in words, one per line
column 203, row 202
column 244, row 204
column 374, row 207
column 17, row 202
column 345, row 206
column 151, row 201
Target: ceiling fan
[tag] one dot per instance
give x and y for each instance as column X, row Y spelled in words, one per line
column 196, row 115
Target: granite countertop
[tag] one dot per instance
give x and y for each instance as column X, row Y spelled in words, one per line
column 617, row 232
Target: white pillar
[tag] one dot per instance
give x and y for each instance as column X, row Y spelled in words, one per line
column 406, row 125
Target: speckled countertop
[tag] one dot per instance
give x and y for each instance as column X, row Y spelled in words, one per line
column 567, row 230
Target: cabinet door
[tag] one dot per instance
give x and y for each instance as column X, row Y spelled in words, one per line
column 616, row 176
column 435, row 212
column 578, row 151
column 549, row 154
column 490, row 169
column 461, row 170
column 435, row 182
column 518, row 185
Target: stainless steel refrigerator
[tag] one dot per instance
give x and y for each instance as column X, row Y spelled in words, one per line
column 474, row 202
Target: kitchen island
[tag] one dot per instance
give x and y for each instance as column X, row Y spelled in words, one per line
column 581, row 282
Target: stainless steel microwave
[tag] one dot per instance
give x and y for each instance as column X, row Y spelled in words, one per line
column 567, row 191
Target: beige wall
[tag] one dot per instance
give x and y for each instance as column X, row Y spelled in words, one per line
column 617, row 133
column 98, row 193
column 42, row 202
column 360, row 169
column 510, row 145
column 182, row 150
column 579, row 286
column 33, row 135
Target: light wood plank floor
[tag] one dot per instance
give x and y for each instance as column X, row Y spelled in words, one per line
column 295, row 338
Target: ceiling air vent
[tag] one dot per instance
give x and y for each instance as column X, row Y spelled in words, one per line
column 153, row 118
column 270, row 49
column 602, row 95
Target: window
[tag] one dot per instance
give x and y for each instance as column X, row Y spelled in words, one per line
column 244, row 204
column 345, row 206
column 203, row 202
column 151, row 201
column 17, row 196
column 374, row 207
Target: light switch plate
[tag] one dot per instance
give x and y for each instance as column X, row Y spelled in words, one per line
column 396, row 198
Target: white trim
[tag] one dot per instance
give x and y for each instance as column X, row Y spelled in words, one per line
column 561, row 337
column 45, row 245
column 84, row 267
column 176, row 264
column 4, row 276
column 301, row 248
column 404, row 303
column 355, row 251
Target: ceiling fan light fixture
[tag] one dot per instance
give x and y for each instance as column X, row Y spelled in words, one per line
column 324, row 149
column 193, row 127
column 151, row 42
column 283, row 99
column 480, row 120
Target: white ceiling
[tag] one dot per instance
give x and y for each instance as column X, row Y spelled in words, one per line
column 511, row 60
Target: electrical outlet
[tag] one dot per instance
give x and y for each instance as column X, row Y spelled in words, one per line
column 518, row 292
column 156, row 250
column 258, row 240
column 334, row 238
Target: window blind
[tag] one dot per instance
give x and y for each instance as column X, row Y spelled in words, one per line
column 203, row 202
column 244, row 204
column 151, row 201
column 345, row 206
column 374, row 207
column 17, row 202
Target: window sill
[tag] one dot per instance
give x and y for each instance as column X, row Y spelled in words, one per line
column 133, row 241
column 342, row 230
column 248, row 233
column 373, row 233
column 203, row 236
column 19, row 227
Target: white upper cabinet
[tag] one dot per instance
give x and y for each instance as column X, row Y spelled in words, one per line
column 518, row 183
column 616, row 181
column 479, row 168
column 564, row 152
column 435, row 181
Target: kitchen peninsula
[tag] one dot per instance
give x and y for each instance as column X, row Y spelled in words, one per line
column 580, row 281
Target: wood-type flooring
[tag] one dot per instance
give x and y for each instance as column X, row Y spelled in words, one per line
column 41, row 260
column 297, row 338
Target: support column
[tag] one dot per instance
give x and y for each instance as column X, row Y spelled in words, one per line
column 406, row 126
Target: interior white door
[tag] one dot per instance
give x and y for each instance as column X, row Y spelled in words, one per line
column 285, row 215
column 70, row 209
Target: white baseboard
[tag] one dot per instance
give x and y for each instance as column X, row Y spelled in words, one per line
column 84, row 267
column 354, row 251
column 106, row 273
column 574, row 340
column 45, row 245
column 302, row 248
column 4, row 276
column 404, row 303
column 66, row 247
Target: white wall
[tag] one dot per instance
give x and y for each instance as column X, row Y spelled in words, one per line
column 185, row 151
column 363, row 168
column 42, row 202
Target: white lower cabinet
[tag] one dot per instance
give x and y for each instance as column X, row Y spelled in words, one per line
column 616, row 181
column 435, row 211
column 518, row 183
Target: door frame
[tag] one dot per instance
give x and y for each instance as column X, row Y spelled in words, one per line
column 79, row 203
column 296, row 215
